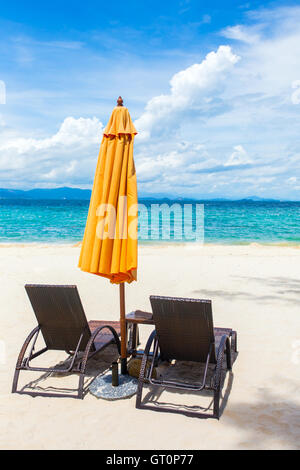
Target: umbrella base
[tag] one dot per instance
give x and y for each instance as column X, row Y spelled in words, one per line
column 102, row 387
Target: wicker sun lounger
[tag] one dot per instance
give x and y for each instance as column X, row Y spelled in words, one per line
column 184, row 331
column 64, row 327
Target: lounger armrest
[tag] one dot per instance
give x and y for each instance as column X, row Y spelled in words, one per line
column 224, row 345
column 112, row 330
column 149, row 342
column 146, row 354
column 91, row 342
column 25, row 346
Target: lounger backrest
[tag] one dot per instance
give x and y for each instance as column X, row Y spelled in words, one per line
column 184, row 328
column 60, row 315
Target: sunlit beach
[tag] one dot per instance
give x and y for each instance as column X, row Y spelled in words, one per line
column 254, row 288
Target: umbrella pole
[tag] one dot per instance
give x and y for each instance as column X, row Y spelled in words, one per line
column 123, row 330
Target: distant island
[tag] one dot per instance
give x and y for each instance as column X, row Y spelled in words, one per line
column 85, row 194
column 42, row 193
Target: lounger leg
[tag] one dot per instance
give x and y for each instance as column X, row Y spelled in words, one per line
column 15, row 381
column 135, row 334
column 134, row 339
column 217, row 404
column 83, row 367
column 224, row 347
column 141, row 381
column 234, row 342
column 139, row 394
column 228, row 354
column 80, row 386
column 143, row 370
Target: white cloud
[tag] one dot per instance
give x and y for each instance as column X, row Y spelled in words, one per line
column 238, row 157
column 295, row 98
column 241, row 33
column 71, row 132
column 2, row 92
column 189, row 88
column 70, row 153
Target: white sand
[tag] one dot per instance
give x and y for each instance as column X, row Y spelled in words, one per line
column 254, row 289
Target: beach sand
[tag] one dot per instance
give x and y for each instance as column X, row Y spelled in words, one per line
column 254, row 289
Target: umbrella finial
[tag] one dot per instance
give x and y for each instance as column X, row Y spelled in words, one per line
column 120, row 101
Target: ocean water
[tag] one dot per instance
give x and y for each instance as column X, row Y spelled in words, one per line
column 231, row 222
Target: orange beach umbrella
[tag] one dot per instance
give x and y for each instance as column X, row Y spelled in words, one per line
column 109, row 247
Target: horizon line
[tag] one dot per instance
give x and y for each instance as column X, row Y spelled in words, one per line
column 155, row 195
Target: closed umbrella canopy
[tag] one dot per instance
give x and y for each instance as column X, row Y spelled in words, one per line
column 109, row 246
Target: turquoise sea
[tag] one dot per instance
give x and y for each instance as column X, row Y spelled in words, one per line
column 230, row 222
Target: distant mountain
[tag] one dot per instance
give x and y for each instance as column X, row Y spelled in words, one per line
column 164, row 198
column 74, row 193
column 54, row 193
column 257, row 199
column 85, row 194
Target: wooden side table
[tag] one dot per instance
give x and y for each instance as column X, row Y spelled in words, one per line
column 133, row 320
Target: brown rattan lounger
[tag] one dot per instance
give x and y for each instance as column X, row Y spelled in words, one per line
column 64, row 327
column 184, row 331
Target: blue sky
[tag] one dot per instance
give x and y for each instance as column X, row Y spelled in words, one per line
column 213, row 87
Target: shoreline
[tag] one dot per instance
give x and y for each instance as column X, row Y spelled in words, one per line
column 159, row 244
